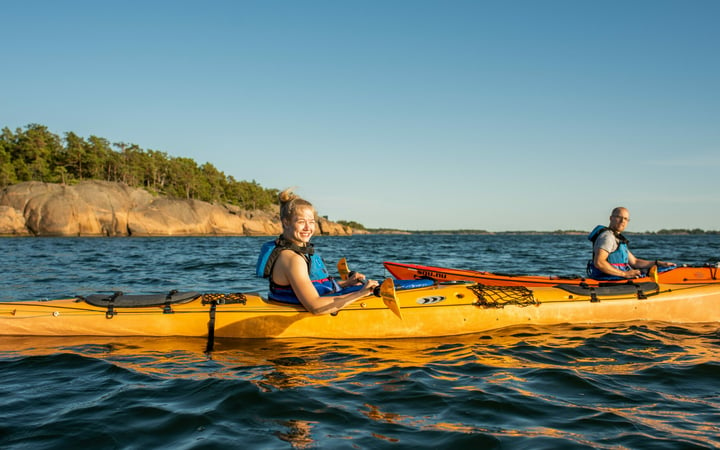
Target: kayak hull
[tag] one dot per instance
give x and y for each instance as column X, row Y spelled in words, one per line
column 439, row 310
column 678, row 275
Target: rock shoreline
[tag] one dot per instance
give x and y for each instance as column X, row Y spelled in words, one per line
column 101, row 208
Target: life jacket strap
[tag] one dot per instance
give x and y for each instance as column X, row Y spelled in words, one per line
column 283, row 244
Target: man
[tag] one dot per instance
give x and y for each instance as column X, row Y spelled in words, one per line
column 611, row 257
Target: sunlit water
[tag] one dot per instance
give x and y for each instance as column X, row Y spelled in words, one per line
column 636, row 385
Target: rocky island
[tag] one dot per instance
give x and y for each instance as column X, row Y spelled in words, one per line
column 102, row 208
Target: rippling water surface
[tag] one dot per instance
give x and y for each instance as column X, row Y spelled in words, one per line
column 634, row 385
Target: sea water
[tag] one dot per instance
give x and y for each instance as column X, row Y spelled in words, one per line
column 634, row 385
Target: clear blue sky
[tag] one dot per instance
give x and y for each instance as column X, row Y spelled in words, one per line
column 411, row 114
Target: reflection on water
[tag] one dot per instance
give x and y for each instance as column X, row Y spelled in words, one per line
column 288, row 363
column 483, row 386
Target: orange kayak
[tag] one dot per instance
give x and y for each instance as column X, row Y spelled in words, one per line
column 678, row 275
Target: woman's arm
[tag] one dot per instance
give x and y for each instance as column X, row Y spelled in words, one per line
column 292, row 269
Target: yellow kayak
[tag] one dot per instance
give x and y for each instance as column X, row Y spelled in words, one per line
column 441, row 309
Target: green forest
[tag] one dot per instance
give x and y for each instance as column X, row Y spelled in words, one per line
column 36, row 154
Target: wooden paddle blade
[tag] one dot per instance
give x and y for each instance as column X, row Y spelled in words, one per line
column 387, row 292
column 343, row 269
column 653, row 273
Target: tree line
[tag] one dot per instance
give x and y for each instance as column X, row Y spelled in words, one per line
column 36, row 154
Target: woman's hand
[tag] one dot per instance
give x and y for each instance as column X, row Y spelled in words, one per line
column 370, row 285
column 356, row 278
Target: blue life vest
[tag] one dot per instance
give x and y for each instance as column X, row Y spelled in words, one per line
column 619, row 258
column 319, row 275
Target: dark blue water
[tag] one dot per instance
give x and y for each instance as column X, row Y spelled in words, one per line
column 636, row 385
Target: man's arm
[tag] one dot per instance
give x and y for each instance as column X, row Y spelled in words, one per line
column 640, row 263
column 601, row 262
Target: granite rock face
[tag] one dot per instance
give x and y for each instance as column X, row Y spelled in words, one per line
column 99, row 208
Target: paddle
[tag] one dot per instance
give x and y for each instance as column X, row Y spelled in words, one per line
column 386, row 290
column 343, row 269
column 653, row 273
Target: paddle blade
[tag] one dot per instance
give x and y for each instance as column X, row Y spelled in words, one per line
column 653, row 273
column 343, row 269
column 387, row 292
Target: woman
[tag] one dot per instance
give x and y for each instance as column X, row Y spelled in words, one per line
column 297, row 274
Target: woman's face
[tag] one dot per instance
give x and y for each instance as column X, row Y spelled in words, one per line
column 301, row 226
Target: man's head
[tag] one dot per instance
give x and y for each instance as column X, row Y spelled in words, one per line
column 619, row 219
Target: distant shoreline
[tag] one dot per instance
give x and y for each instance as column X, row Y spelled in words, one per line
column 678, row 232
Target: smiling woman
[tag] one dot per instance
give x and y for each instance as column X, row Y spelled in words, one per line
column 297, row 274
